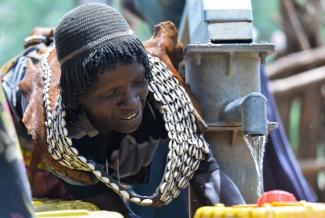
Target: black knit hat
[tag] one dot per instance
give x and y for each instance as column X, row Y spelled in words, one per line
column 89, row 39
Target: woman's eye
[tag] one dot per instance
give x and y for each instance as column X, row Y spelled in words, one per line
column 140, row 81
column 108, row 94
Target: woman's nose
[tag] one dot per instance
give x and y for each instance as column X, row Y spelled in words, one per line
column 129, row 100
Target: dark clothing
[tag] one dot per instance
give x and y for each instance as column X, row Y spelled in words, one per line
column 281, row 169
column 150, row 138
column 15, row 197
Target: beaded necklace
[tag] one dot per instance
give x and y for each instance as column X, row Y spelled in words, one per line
column 186, row 148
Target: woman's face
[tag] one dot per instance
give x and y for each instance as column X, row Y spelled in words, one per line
column 116, row 100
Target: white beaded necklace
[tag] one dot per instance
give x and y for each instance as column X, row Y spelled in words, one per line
column 186, row 148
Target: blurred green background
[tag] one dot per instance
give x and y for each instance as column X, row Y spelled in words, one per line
column 19, row 17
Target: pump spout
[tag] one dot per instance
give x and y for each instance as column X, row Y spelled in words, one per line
column 250, row 111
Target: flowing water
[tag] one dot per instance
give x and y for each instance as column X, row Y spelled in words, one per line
column 256, row 145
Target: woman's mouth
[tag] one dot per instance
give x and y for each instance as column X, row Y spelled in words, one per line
column 129, row 123
column 130, row 117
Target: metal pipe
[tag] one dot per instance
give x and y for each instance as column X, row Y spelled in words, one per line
column 250, row 110
column 222, row 66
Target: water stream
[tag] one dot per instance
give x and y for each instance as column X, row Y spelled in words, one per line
column 256, row 145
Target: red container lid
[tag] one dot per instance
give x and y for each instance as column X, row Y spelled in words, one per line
column 275, row 196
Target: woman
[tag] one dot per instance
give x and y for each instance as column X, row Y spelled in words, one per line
column 106, row 117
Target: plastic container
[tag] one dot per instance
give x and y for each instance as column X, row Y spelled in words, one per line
column 299, row 209
column 77, row 214
column 69, row 209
